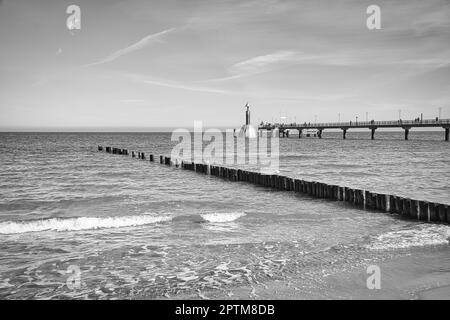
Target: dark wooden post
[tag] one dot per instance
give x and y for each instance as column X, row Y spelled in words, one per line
column 383, row 201
column 288, row 184
column 233, row 174
column 335, row 193
column 357, row 197
column 414, row 210
column 406, row 132
column 392, row 204
column 361, row 198
column 314, row 189
column 302, row 187
column 341, row 193
column 442, row 215
column 319, row 191
column 399, row 205
column 346, row 194
column 349, row 195
column 309, row 187
column 283, row 183
column 407, row 208
column 434, row 211
column 423, row 214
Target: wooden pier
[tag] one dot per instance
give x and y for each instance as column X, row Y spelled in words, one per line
column 406, row 125
column 419, row 210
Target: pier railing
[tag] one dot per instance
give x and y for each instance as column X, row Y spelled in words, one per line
column 360, row 124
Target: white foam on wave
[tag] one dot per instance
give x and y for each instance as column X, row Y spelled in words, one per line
column 416, row 236
column 76, row 224
column 89, row 223
column 222, row 217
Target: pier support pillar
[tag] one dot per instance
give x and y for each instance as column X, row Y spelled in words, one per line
column 287, row 133
column 373, row 133
column 447, row 131
column 344, row 133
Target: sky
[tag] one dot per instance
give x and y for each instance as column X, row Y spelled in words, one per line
column 143, row 64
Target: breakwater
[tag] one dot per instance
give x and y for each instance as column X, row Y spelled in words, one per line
column 419, row 210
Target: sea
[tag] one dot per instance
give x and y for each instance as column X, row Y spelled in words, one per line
column 76, row 223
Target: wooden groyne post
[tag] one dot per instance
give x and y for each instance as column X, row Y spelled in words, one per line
column 418, row 210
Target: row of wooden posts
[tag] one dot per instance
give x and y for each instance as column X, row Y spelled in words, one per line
column 408, row 208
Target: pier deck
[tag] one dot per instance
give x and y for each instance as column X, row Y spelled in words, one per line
column 371, row 125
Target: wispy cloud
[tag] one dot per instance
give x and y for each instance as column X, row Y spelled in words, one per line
column 136, row 102
column 261, row 63
column 282, row 59
column 278, row 60
column 175, row 85
column 256, row 65
column 135, row 46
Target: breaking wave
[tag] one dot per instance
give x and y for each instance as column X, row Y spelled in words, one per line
column 89, row 223
column 76, row 224
column 222, row 217
column 417, row 236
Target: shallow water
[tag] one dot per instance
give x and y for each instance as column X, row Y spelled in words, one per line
column 136, row 229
